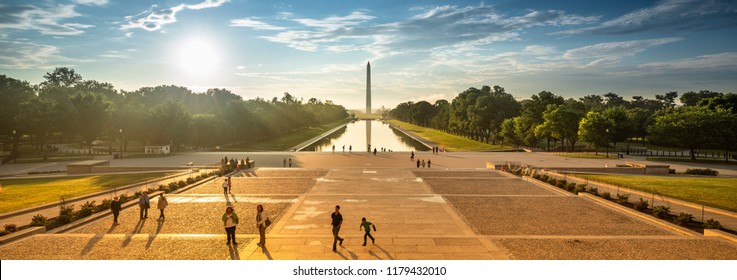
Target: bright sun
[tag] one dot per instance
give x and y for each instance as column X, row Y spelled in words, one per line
column 197, row 57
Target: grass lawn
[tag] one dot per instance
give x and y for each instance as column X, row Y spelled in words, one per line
column 689, row 160
column 448, row 141
column 22, row 193
column 715, row 192
column 289, row 140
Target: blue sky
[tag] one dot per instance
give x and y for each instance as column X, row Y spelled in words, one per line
column 420, row 50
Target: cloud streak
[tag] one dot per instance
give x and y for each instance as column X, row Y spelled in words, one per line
column 677, row 15
column 155, row 18
column 443, row 26
column 46, row 20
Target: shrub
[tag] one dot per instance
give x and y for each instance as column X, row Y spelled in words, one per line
column 683, row 219
column 181, row 183
column 123, row 198
column 606, row 195
column 66, row 213
column 700, row 171
column 4, row 232
column 712, row 224
column 576, row 188
column 86, row 209
column 190, row 180
column 544, row 178
column 661, row 211
column 163, row 188
column 11, row 227
column 641, row 204
column 592, row 190
column 173, row 186
column 623, row 198
column 39, row 220
column 671, row 171
column 137, row 194
column 105, row 204
column 561, row 184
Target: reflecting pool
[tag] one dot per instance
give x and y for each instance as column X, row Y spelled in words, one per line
column 358, row 135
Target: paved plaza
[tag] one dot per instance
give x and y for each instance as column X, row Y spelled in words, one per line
column 456, row 210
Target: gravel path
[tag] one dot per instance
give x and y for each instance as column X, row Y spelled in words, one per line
column 546, row 216
column 475, row 186
column 191, row 215
column 257, row 186
column 456, row 174
column 619, row 249
column 121, row 247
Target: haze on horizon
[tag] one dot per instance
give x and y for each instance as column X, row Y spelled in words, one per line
column 419, row 50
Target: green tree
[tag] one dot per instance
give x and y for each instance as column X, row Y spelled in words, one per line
column 169, row 124
column 508, row 132
column 693, row 98
column 562, row 122
column 93, row 112
column 692, row 128
column 532, row 115
column 592, row 130
column 622, row 128
column 12, row 93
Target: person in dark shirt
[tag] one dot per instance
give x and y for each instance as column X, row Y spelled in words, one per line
column 115, row 207
column 366, row 226
column 337, row 222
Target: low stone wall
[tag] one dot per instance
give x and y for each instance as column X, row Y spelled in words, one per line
column 22, row 234
column 613, row 170
column 84, row 167
column 120, row 169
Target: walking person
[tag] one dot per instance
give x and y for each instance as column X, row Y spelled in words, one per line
column 350, row 149
column 162, row 205
column 262, row 221
column 412, row 155
column 285, row 162
column 418, row 163
column 226, row 186
column 333, row 149
column 230, row 185
column 366, row 225
column 290, row 162
column 144, row 204
column 429, row 163
column 230, row 220
column 343, row 148
column 337, row 222
column 374, row 151
column 115, row 208
column 423, row 163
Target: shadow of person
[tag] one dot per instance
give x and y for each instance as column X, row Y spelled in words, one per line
column 112, row 227
column 234, row 255
column 151, row 237
column 235, row 200
column 90, row 244
column 136, row 229
column 266, row 252
column 388, row 255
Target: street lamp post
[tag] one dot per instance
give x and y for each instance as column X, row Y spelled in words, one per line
column 121, row 142
column 15, row 144
column 607, row 143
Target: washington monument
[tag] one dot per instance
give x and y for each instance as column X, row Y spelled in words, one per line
column 368, row 88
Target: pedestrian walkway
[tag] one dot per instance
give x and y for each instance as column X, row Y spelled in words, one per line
column 419, row 215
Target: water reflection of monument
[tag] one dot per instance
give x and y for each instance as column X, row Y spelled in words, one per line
column 368, row 135
column 368, row 105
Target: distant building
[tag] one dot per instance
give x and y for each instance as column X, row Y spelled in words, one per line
column 161, row 150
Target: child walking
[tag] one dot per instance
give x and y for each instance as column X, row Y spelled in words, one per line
column 367, row 227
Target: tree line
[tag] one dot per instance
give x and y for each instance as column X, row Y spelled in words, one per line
column 67, row 108
column 706, row 119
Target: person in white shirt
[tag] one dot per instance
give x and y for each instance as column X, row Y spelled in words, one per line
column 261, row 220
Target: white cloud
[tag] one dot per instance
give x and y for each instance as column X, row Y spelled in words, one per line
column 540, row 50
column 670, row 15
column 28, row 55
column 255, row 24
column 207, row 4
column 91, row 2
column 155, row 18
column 616, row 49
column 45, row 20
column 461, row 27
column 727, row 60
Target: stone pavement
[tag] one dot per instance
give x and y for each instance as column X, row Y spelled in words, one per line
column 457, row 213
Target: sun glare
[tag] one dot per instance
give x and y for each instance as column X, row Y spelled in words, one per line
column 197, row 57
